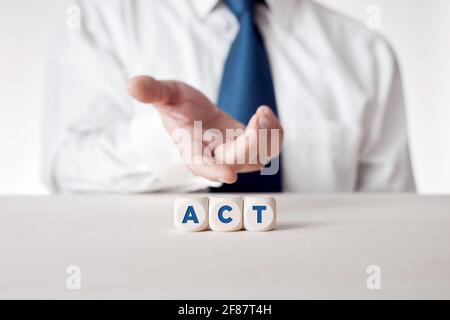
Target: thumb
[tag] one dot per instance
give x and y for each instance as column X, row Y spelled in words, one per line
column 263, row 136
column 149, row 90
column 271, row 126
column 261, row 141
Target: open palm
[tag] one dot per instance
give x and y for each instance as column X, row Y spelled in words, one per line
column 180, row 105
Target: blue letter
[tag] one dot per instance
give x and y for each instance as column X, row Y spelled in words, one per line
column 259, row 211
column 190, row 215
column 221, row 218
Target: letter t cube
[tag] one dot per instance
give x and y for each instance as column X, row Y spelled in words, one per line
column 259, row 213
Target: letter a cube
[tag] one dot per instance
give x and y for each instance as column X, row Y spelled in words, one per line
column 191, row 213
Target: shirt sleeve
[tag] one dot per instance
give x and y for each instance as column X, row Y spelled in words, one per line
column 96, row 139
column 385, row 163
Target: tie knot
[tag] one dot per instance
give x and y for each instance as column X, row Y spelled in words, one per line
column 241, row 7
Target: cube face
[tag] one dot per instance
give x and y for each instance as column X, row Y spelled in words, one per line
column 191, row 214
column 259, row 213
column 225, row 213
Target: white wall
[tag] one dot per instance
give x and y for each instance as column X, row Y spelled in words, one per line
column 419, row 30
column 25, row 29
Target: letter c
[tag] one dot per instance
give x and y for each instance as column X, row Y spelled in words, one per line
column 221, row 211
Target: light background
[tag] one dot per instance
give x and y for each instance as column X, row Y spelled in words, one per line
column 419, row 31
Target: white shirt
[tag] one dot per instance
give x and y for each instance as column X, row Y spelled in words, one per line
column 338, row 89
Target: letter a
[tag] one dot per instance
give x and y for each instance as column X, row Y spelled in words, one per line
column 190, row 215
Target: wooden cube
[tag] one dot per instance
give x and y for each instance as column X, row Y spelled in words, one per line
column 225, row 213
column 191, row 213
column 259, row 213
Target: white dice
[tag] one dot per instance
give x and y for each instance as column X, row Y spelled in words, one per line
column 191, row 214
column 226, row 213
column 259, row 213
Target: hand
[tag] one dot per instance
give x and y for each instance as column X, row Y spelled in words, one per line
column 179, row 105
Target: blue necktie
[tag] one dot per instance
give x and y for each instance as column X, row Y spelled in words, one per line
column 246, row 85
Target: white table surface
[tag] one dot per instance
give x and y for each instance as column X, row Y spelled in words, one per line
column 127, row 248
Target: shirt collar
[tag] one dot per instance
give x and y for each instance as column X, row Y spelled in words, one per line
column 204, row 7
column 282, row 8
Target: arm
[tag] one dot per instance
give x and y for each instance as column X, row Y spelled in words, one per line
column 385, row 163
column 98, row 140
column 95, row 140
